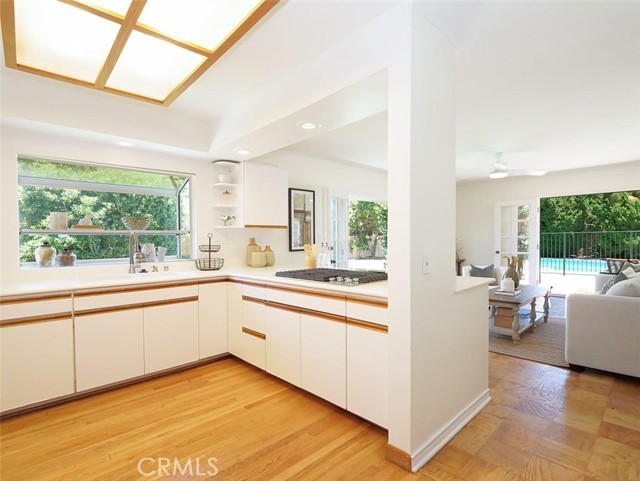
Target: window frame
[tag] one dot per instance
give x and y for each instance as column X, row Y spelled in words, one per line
column 180, row 231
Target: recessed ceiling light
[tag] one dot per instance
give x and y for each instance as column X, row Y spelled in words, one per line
column 308, row 125
column 124, row 143
column 243, row 151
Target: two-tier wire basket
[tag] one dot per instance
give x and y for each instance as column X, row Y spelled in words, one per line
column 209, row 263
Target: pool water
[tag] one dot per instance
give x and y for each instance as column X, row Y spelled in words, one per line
column 573, row 265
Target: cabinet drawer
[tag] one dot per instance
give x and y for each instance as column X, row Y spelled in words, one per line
column 367, row 312
column 253, row 315
column 315, row 302
column 253, row 348
column 85, row 301
column 251, row 290
column 33, row 307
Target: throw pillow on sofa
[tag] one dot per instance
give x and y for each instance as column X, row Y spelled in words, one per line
column 628, row 271
column 484, row 272
column 627, row 288
column 628, row 266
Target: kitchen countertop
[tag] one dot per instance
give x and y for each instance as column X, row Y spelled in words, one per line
column 81, row 278
column 251, row 274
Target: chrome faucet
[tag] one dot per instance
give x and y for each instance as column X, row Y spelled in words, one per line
column 134, row 253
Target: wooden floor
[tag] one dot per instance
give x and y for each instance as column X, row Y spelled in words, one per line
column 544, row 424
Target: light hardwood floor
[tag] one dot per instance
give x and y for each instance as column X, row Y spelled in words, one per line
column 544, row 424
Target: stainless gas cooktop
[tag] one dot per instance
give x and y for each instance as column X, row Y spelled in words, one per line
column 337, row 276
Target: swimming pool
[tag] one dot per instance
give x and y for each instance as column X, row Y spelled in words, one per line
column 548, row 264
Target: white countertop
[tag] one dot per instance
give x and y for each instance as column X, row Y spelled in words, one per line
column 81, row 278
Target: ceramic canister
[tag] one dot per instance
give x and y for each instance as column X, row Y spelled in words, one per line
column 251, row 248
column 270, row 255
column 58, row 220
column 258, row 259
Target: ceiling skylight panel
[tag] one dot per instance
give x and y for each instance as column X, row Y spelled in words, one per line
column 116, row 6
column 202, row 22
column 151, row 68
column 61, row 39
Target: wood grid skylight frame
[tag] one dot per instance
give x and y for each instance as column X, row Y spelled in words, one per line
column 129, row 23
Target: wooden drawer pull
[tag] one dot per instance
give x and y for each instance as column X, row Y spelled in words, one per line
column 253, row 333
column 367, row 325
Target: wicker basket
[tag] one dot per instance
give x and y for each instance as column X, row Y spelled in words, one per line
column 136, row 222
column 212, row 264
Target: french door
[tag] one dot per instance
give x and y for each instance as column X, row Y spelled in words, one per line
column 340, row 231
column 516, row 233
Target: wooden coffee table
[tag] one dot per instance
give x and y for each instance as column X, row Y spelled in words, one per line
column 506, row 310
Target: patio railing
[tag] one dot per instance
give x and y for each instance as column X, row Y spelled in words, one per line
column 586, row 252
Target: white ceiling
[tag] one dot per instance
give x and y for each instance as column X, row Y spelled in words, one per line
column 553, row 85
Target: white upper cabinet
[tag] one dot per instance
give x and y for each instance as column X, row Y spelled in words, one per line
column 265, row 196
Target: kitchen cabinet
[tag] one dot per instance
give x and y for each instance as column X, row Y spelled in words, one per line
column 212, row 318
column 265, row 196
column 109, row 347
column 169, row 319
column 283, row 342
column 170, row 335
column 36, row 349
column 323, row 362
column 234, row 318
column 37, row 362
column 367, row 361
column 253, row 330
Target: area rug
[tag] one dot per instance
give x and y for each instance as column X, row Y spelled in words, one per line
column 543, row 344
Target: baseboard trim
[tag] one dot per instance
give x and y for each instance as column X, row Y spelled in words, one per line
column 412, row 463
column 40, row 405
column 398, row 457
column 437, row 442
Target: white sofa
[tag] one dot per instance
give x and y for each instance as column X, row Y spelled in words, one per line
column 603, row 332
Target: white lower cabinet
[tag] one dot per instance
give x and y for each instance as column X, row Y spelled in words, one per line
column 212, row 318
column 109, row 347
column 37, row 362
column 253, row 348
column 323, row 362
column 367, row 374
column 253, row 332
column 283, row 343
column 170, row 335
column 234, row 318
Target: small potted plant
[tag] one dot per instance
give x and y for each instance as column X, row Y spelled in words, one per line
column 227, row 219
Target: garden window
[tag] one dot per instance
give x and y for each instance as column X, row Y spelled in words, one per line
column 106, row 194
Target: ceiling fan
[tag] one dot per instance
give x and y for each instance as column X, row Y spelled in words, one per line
column 500, row 169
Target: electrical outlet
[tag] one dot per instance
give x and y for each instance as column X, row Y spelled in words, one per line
column 426, row 267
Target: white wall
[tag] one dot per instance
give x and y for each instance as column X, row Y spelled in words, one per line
column 475, row 201
column 437, row 337
column 327, row 178
column 17, row 141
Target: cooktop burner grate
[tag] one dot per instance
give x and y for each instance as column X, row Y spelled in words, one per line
column 324, row 275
